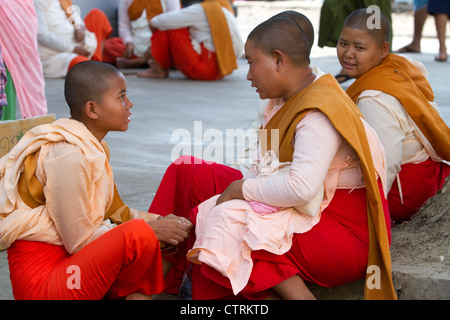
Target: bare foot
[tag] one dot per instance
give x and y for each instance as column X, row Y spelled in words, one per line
column 138, row 296
column 411, row 48
column 155, row 71
column 123, row 63
column 442, row 57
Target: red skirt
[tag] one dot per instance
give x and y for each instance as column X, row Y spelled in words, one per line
column 186, row 183
column 334, row 252
column 173, row 48
column 419, row 182
column 124, row 260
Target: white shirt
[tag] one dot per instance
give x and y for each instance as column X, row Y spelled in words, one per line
column 137, row 31
column 395, row 129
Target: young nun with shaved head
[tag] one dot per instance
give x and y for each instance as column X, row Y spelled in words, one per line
column 68, row 234
column 396, row 99
column 311, row 210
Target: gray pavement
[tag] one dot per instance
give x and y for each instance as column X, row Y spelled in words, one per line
column 175, row 113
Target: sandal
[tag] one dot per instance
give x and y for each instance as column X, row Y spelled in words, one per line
column 407, row 49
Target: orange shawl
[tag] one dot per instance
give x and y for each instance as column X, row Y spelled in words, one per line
column 226, row 58
column 136, row 8
column 327, row 96
column 399, row 78
column 65, row 4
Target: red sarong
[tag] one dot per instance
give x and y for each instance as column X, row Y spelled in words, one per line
column 124, row 260
column 183, row 187
column 333, row 252
column 419, row 182
column 113, row 49
column 173, row 48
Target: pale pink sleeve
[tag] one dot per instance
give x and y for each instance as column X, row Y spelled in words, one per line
column 316, row 142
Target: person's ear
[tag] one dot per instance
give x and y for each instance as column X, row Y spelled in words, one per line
column 278, row 58
column 385, row 49
column 90, row 108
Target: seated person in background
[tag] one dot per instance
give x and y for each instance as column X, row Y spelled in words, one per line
column 61, row 216
column 131, row 48
column 64, row 39
column 396, row 99
column 202, row 41
column 335, row 173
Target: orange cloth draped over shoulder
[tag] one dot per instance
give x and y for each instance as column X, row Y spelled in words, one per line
column 327, row 96
column 65, row 4
column 137, row 7
column 399, row 78
column 226, row 58
column 32, row 191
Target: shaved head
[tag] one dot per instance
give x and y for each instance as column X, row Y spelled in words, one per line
column 303, row 23
column 285, row 32
column 87, row 81
column 360, row 19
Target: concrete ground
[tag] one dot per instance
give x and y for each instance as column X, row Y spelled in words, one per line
column 176, row 114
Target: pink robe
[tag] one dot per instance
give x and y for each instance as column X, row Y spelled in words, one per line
column 18, row 40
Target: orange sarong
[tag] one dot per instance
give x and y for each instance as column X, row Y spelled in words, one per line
column 122, row 261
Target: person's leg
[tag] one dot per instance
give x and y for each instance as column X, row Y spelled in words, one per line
column 155, row 71
column 420, row 16
column 112, row 49
column 159, row 56
column 187, row 182
column 294, row 288
column 441, row 26
column 173, row 48
column 123, row 261
column 137, row 62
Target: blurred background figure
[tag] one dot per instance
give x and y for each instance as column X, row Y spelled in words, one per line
column 131, row 48
column 64, row 39
column 18, row 42
column 440, row 9
column 332, row 16
column 420, row 16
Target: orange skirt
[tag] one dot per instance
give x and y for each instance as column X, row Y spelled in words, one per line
column 124, row 260
column 173, row 48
